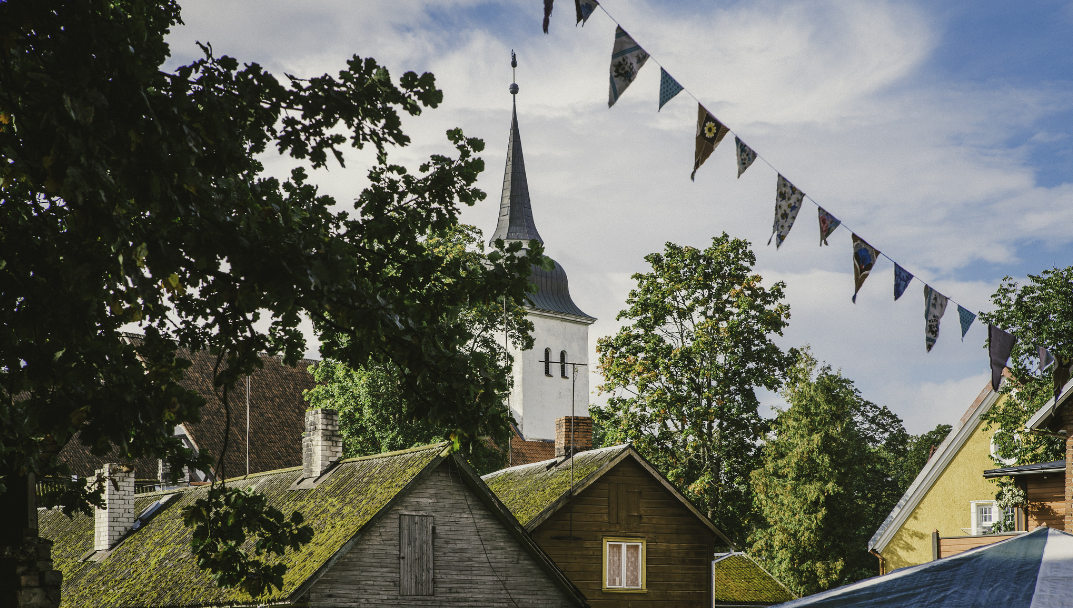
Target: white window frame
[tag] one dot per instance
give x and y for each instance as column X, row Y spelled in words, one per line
column 607, row 541
column 977, row 525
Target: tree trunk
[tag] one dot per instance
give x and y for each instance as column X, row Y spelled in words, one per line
column 27, row 579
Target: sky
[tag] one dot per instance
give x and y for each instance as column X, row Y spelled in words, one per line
column 939, row 132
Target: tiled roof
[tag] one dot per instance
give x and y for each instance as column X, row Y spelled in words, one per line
column 738, row 580
column 523, row 451
column 154, row 566
column 277, row 412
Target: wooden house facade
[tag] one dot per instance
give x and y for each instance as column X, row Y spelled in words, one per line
column 410, row 528
column 618, row 529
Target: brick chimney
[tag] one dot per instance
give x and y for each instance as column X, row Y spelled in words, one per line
column 117, row 517
column 322, row 444
column 581, row 427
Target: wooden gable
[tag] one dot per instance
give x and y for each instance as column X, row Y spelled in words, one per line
column 629, row 502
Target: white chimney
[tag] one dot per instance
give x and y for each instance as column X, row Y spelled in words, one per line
column 117, row 517
column 322, row 444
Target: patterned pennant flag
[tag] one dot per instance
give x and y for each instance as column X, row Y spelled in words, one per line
column 999, row 346
column 864, row 258
column 627, row 58
column 787, row 203
column 709, row 133
column 966, row 318
column 1046, row 359
column 584, row 8
column 746, row 156
column 668, row 87
column 547, row 13
column 934, row 307
column 902, row 278
column 828, row 223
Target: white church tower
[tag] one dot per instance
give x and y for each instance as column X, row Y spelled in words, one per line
column 543, row 377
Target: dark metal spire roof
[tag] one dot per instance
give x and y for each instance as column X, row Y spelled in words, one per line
column 515, row 210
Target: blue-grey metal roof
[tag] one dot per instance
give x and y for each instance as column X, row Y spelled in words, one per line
column 1057, row 466
column 553, row 292
column 515, row 209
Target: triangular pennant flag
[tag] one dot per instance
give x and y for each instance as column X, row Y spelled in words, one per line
column 934, row 307
column 828, row 223
column 1061, row 375
column 547, row 13
column 787, row 203
column 966, row 318
column 709, row 133
column 999, row 346
column 746, row 156
column 668, row 87
column 627, row 57
column 864, row 257
column 584, row 9
column 1046, row 359
column 902, row 278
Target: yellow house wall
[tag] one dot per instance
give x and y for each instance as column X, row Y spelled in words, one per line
column 946, row 506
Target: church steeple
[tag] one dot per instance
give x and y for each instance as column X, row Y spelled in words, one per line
column 515, row 210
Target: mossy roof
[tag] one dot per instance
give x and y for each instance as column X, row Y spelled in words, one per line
column 531, row 489
column 154, row 566
column 738, row 580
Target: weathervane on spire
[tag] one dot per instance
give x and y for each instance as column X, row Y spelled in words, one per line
column 513, row 74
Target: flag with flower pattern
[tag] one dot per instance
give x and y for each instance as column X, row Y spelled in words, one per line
column 1046, row 359
column 584, row 9
column 934, row 307
column 787, row 203
column 709, row 133
column 966, row 318
column 864, row 258
column 668, row 88
column 627, row 58
column 828, row 223
column 746, row 156
column 902, row 278
column 999, row 346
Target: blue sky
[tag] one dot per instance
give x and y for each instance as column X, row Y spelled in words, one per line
column 939, row 131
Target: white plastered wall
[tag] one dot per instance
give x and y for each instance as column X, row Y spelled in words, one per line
column 536, row 400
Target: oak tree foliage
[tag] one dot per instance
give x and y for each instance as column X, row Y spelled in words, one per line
column 129, row 194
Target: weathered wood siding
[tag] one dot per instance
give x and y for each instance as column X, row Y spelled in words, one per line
column 475, row 560
column 1047, row 500
column 627, row 502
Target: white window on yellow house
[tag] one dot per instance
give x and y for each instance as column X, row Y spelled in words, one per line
column 985, row 514
column 624, row 564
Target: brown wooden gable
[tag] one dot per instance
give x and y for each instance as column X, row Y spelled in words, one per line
column 630, row 500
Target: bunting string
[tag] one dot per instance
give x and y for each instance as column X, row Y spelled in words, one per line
column 627, row 59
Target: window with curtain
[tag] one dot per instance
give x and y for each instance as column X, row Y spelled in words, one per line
column 624, row 564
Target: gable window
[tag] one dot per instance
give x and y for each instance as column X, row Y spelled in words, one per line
column 415, row 555
column 624, row 564
column 562, row 364
column 547, row 362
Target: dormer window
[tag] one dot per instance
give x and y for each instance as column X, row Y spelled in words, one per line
column 562, row 364
column 547, row 362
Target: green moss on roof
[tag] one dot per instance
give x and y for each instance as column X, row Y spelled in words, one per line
column 154, row 567
column 740, row 580
column 529, row 489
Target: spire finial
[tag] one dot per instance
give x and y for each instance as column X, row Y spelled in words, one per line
column 514, row 75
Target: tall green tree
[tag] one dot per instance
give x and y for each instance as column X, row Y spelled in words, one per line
column 375, row 415
column 133, row 195
column 684, row 370
column 828, row 479
column 1039, row 313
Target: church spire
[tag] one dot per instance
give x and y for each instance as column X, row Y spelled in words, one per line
column 515, row 210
